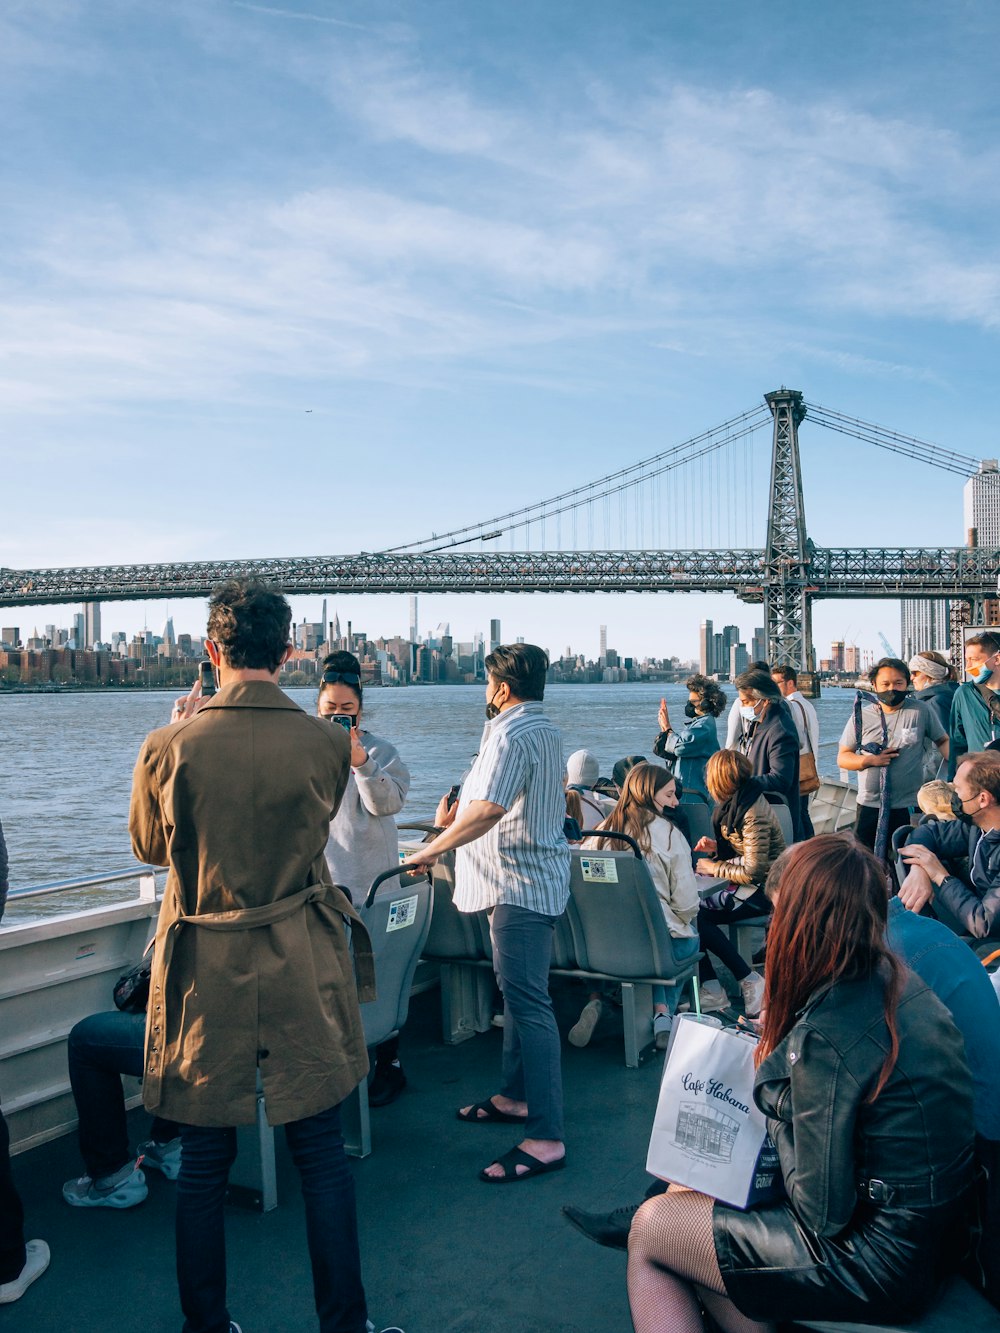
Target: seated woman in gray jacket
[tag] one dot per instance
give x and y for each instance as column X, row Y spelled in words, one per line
column 862, row 1076
column 364, row 842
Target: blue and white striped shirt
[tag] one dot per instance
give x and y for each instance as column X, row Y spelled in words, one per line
column 524, row 858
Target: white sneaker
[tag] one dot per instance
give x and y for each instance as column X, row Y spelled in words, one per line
column 583, row 1029
column 713, row 997
column 36, row 1260
column 752, row 988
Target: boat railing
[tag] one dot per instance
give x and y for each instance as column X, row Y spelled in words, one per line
column 145, row 874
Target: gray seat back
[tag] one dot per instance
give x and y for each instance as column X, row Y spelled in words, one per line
column 783, row 815
column 616, row 919
column 699, row 820
column 398, row 918
column 453, row 934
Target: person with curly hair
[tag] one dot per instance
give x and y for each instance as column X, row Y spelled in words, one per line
column 698, row 739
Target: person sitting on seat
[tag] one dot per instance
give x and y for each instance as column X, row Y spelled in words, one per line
column 966, row 898
column 582, row 773
column 648, row 791
column 938, row 800
column 747, row 842
column 770, row 740
column 100, row 1049
column 621, row 767
column 698, row 739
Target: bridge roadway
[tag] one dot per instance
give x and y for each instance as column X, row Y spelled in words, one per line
column 869, row 572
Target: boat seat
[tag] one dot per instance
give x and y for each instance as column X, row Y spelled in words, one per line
column 959, row 1307
column 398, row 918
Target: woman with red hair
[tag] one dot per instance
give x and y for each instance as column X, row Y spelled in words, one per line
column 862, row 1076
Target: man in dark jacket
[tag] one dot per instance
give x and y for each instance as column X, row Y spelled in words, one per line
column 770, row 740
column 966, row 898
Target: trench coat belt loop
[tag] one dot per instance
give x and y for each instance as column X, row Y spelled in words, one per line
column 327, row 898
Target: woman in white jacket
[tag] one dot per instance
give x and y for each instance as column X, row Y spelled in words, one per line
column 648, row 795
column 364, row 841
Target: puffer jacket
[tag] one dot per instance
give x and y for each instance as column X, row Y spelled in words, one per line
column 912, row 1146
column 758, row 845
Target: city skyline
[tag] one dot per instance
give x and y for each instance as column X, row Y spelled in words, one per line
column 463, row 256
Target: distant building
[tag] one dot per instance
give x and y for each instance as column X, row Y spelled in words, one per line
column 852, row 660
column 923, row 624
column 758, row 647
column 981, row 505
column 91, row 624
column 10, row 637
column 414, row 627
column 706, row 661
column 739, row 660
column 837, row 655
column 494, row 635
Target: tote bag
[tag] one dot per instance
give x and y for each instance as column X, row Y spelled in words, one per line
column 707, row 1133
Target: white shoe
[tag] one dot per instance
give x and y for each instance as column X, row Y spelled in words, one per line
column 36, row 1260
column 713, row 997
column 752, row 988
column 583, row 1029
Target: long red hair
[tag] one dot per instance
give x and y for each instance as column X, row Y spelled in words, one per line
column 828, row 925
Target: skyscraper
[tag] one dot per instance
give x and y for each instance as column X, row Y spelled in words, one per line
column 706, row 660
column 603, row 657
column 981, row 505
column 739, row 659
column 923, row 624
column 758, row 649
column 91, row 624
column 494, row 635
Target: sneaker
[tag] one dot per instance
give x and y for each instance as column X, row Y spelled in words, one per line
column 752, row 988
column 662, row 1023
column 234, row 1327
column 162, row 1157
column 387, row 1083
column 36, row 1260
column 124, row 1189
column 583, row 1029
column 497, row 1020
column 713, row 997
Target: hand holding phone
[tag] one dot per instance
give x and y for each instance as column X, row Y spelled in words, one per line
column 343, row 719
column 206, row 674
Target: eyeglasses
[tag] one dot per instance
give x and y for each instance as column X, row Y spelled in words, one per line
column 346, row 677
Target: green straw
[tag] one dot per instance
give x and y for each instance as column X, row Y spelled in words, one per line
column 697, row 996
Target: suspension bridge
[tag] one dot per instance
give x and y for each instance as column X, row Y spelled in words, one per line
column 673, row 522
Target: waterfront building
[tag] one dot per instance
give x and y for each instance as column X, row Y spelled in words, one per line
column 981, row 505
column 923, row 625
column 706, row 658
column 10, row 637
column 739, row 660
column 758, row 648
column 413, row 620
column 91, row 625
column 494, row 635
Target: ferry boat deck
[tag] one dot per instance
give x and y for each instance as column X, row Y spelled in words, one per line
column 442, row 1252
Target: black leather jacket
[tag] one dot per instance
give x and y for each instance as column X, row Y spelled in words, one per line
column 912, row 1146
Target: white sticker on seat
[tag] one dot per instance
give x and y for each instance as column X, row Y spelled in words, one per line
column 599, row 869
column 402, row 913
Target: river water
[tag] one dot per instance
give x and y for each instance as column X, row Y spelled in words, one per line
column 68, row 760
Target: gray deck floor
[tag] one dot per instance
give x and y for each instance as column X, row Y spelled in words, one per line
column 442, row 1252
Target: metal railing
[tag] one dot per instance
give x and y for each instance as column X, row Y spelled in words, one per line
column 145, row 874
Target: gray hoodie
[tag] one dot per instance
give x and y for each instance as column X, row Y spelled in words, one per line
column 363, row 838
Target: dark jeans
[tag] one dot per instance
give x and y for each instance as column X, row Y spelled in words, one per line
column 331, row 1224
column 806, row 829
column 866, row 824
column 715, row 940
column 100, row 1049
column 531, row 1071
column 12, row 1255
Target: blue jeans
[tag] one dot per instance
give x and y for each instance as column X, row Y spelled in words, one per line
column 331, row 1224
column 684, row 947
column 101, row 1048
column 531, row 1070
column 12, row 1255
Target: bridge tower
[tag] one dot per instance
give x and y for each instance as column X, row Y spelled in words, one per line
column 787, row 610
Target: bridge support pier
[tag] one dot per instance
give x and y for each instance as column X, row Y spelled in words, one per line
column 787, row 610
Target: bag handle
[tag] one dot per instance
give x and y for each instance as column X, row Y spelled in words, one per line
column 805, row 726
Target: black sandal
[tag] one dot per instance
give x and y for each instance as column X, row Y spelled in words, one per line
column 490, row 1113
column 510, row 1161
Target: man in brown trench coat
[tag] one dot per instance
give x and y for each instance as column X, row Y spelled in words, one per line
column 251, row 968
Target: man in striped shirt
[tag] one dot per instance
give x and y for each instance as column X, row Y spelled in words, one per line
column 513, row 862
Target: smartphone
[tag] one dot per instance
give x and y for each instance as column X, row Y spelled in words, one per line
column 453, row 795
column 345, row 720
column 207, row 674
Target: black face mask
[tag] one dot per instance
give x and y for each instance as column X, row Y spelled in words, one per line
column 891, row 698
column 690, row 710
column 492, row 710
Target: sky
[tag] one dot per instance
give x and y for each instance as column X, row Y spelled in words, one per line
column 314, row 278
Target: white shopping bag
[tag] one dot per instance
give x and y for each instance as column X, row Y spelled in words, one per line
column 707, row 1132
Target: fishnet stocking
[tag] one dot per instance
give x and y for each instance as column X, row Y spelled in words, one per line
column 672, row 1269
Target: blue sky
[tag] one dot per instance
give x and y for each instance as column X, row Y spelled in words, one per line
column 283, row 279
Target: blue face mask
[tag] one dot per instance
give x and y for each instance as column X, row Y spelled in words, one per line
column 983, row 675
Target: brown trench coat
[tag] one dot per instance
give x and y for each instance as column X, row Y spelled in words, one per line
column 251, row 964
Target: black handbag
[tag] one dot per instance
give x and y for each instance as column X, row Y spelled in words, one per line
column 131, row 990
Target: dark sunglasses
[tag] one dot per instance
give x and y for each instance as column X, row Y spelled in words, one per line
column 345, row 677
